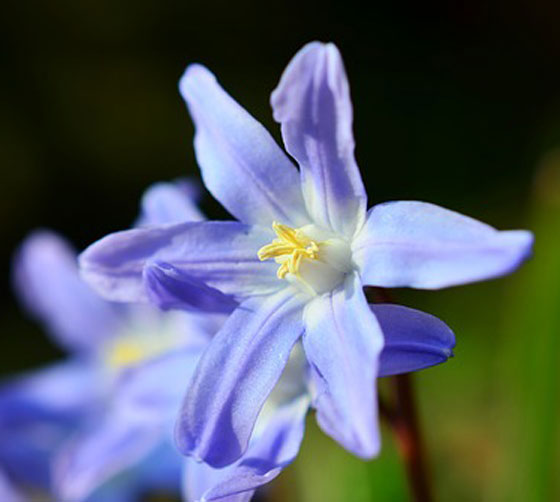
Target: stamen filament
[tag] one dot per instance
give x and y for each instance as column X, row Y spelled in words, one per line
column 289, row 250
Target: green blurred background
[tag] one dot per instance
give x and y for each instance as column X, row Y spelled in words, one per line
column 457, row 103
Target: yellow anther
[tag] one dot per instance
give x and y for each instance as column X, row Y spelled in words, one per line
column 124, row 353
column 132, row 348
column 289, row 249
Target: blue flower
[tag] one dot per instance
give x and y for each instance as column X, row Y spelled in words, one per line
column 295, row 263
column 106, row 415
column 148, row 397
column 81, row 414
column 412, row 340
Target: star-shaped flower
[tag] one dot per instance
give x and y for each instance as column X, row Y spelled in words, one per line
column 295, row 262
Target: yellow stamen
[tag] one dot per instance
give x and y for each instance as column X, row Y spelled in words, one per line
column 289, row 249
column 124, row 353
column 132, row 348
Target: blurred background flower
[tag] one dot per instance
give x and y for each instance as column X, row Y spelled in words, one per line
column 98, row 425
column 455, row 104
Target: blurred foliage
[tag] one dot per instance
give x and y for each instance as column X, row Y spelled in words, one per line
column 329, row 473
column 455, row 103
column 532, row 356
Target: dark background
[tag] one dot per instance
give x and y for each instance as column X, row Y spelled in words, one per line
column 456, row 103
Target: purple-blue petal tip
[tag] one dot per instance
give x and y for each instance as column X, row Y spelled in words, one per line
column 194, row 71
column 414, row 340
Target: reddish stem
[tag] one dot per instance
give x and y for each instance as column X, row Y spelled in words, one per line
column 403, row 419
column 404, row 422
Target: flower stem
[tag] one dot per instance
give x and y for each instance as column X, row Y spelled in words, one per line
column 404, row 422
column 402, row 417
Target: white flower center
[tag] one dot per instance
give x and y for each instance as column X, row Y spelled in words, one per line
column 309, row 256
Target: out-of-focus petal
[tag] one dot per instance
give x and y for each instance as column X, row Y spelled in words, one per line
column 133, row 437
column 241, row 164
column 175, row 202
column 7, row 492
column 222, row 255
column 425, row 246
column 312, row 102
column 173, row 329
column 342, row 342
column 413, row 340
column 57, row 390
column 117, row 490
column 38, row 411
column 268, row 453
column 47, row 281
column 153, row 391
column 235, row 376
column 157, row 472
column 95, row 456
column 162, row 470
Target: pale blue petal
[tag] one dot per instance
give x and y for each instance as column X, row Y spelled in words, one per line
column 159, row 471
column 153, row 391
column 221, row 255
column 241, row 164
column 268, row 453
column 47, row 281
column 97, row 455
column 342, row 342
column 63, row 389
column 421, row 245
column 114, row 265
column 174, row 202
column 199, row 479
column 188, row 329
column 235, row 376
column 130, row 445
column 312, row 102
column 414, row 340
column 38, row 411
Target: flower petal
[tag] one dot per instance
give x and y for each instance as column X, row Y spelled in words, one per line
column 413, row 340
column 153, row 391
column 133, row 434
column 241, row 164
column 170, row 288
column 175, row 202
column 47, row 281
column 38, row 411
column 235, row 376
column 222, row 255
column 342, row 342
column 160, row 471
column 424, row 246
column 7, row 491
column 312, row 102
column 118, row 490
column 275, row 448
column 95, row 456
column 56, row 391
column 199, row 479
